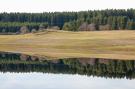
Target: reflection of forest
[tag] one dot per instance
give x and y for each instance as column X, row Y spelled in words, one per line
column 83, row 66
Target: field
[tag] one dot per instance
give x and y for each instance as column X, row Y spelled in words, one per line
column 63, row 44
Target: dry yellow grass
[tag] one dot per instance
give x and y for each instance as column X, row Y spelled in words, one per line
column 62, row 44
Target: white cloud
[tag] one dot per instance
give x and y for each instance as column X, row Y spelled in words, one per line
column 62, row 5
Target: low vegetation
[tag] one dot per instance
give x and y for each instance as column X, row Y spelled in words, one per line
column 65, row 44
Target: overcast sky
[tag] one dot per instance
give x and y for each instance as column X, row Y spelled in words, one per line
column 62, row 5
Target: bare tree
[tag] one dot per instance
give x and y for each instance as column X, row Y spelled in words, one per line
column 83, row 27
column 24, row 29
column 33, row 30
column 91, row 27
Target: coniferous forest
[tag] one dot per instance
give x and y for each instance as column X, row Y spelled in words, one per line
column 111, row 19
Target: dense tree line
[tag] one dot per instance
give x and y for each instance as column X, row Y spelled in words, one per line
column 15, row 27
column 74, row 21
column 84, row 66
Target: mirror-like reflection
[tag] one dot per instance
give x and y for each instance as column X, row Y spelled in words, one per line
column 11, row 62
column 60, row 81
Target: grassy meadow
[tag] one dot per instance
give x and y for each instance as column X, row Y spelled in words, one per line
column 63, row 44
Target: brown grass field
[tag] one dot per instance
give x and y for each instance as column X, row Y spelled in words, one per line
column 63, row 44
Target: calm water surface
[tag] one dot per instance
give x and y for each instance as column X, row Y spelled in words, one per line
column 60, row 81
column 19, row 71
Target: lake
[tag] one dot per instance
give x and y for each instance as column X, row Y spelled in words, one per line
column 60, row 81
column 20, row 71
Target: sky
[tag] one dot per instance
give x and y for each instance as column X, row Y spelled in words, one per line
column 38, row 6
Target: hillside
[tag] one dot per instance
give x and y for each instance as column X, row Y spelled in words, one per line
column 63, row 44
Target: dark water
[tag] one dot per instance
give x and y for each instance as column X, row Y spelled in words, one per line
column 19, row 71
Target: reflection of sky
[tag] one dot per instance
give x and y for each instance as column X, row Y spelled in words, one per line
column 60, row 81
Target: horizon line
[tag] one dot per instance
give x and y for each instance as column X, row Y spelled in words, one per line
column 70, row 11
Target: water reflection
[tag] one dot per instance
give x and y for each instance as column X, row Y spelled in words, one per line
column 10, row 62
column 60, row 81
